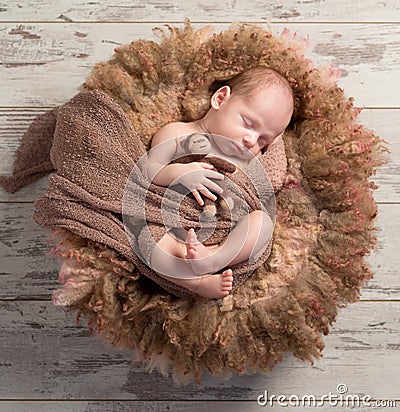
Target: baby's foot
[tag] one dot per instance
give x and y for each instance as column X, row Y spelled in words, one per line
column 214, row 286
column 196, row 254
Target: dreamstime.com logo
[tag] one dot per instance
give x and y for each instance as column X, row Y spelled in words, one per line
column 339, row 399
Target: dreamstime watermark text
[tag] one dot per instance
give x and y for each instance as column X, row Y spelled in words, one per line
column 340, row 399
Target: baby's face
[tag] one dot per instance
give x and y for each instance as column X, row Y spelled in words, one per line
column 250, row 123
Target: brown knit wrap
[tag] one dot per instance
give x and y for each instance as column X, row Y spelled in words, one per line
column 93, row 153
column 32, row 158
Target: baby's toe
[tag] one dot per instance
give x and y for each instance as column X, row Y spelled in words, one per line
column 227, row 281
column 192, row 238
column 227, row 273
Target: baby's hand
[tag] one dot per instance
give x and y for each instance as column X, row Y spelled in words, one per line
column 197, row 177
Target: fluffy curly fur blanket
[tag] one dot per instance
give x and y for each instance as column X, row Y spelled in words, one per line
column 324, row 224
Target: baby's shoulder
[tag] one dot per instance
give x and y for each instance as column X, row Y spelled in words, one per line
column 173, row 130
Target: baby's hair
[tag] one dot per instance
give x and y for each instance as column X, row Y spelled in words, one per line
column 249, row 81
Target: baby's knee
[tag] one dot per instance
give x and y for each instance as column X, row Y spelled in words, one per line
column 262, row 219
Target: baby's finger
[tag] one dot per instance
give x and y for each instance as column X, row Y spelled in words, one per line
column 197, row 196
column 206, row 165
column 213, row 186
column 205, row 192
column 212, row 174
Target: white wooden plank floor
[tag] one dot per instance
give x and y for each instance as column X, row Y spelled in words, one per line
column 47, row 362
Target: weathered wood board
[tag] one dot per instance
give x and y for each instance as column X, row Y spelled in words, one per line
column 168, row 11
column 60, row 56
column 46, row 356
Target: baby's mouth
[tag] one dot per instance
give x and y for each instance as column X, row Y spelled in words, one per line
column 238, row 148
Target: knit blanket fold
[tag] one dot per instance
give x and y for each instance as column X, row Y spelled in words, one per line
column 92, row 148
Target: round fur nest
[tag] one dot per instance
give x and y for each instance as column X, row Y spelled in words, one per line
column 325, row 212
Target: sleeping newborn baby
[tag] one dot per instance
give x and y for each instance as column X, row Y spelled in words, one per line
column 246, row 117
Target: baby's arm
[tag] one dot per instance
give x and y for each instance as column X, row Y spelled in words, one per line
column 162, row 152
column 195, row 176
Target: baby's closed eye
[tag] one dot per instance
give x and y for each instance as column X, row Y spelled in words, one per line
column 248, row 122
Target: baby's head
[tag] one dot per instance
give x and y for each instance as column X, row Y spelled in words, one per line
column 252, row 109
column 252, row 81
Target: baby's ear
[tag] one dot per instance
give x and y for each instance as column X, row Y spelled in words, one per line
column 220, row 96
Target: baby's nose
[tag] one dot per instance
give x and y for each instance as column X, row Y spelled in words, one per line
column 250, row 140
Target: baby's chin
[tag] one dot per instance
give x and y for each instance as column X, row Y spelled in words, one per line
column 246, row 154
column 239, row 151
column 231, row 148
